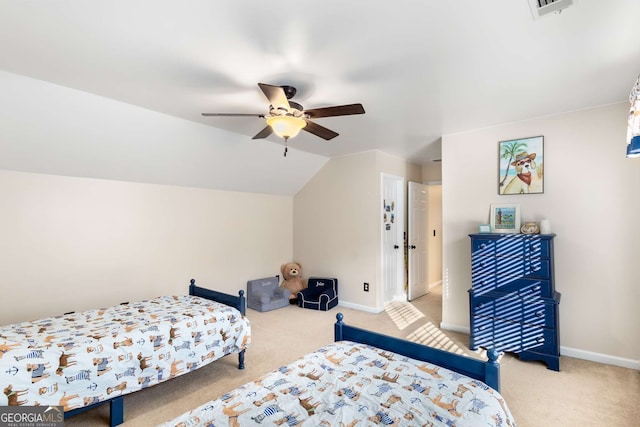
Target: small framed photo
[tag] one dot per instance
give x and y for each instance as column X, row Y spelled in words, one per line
column 484, row 228
column 521, row 169
column 505, row 218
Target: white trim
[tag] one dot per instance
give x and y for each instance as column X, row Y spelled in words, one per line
column 607, row 359
column 435, row 284
column 360, row 307
column 455, row 328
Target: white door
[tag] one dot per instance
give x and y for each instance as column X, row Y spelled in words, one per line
column 392, row 238
column 417, row 242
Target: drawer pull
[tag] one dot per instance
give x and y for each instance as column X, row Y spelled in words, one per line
column 535, row 288
column 482, row 246
column 540, row 313
column 540, row 340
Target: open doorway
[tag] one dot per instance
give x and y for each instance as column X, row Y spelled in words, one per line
column 424, row 238
column 434, row 225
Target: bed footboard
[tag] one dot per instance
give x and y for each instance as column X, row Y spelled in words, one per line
column 487, row 372
column 239, row 302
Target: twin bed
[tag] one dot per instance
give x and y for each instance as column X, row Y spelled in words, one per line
column 81, row 360
column 364, row 378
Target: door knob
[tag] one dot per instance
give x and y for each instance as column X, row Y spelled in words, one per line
column 412, row 247
column 396, row 247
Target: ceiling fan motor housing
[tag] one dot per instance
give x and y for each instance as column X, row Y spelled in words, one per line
column 289, row 91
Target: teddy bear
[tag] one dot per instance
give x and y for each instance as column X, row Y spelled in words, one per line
column 292, row 275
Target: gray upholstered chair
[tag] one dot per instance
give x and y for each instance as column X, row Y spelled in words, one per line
column 266, row 294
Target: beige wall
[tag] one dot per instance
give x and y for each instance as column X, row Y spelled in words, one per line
column 591, row 197
column 338, row 226
column 70, row 244
column 432, row 172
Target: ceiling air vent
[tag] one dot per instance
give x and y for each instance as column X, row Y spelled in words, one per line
column 540, row 8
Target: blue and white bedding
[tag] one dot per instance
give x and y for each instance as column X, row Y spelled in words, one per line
column 348, row 384
column 79, row 359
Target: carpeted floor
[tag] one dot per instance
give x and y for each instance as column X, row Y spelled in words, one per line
column 582, row 394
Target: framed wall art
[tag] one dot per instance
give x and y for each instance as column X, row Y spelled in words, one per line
column 505, row 218
column 484, row 228
column 520, row 169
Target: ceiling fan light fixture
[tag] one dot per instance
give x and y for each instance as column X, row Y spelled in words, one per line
column 286, row 126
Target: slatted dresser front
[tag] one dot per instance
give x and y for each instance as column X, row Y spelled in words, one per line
column 513, row 302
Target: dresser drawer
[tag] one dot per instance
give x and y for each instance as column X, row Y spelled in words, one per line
column 512, row 336
column 532, row 311
column 527, row 246
column 532, row 246
column 511, row 266
column 521, row 287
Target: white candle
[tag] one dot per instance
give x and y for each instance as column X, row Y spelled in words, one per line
column 545, row 226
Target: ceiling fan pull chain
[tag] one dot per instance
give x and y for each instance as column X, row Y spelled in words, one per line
column 285, row 146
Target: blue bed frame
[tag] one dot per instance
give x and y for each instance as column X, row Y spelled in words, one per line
column 487, row 372
column 116, row 404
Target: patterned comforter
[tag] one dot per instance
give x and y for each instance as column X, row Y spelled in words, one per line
column 348, row 384
column 83, row 358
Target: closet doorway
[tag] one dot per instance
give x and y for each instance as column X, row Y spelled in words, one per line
column 424, row 241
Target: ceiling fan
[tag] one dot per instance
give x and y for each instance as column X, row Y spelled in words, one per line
column 286, row 118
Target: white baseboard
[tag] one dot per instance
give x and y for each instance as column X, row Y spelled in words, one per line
column 454, row 328
column 591, row 356
column 360, row 307
column 600, row 358
column 435, row 284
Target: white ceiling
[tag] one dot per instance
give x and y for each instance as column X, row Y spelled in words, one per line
column 422, row 69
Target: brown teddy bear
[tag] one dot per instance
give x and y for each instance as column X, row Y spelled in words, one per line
column 292, row 274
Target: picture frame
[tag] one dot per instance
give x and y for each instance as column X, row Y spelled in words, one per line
column 484, row 228
column 521, row 166
column 505, row 218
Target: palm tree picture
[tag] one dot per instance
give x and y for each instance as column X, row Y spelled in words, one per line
column 520, row 166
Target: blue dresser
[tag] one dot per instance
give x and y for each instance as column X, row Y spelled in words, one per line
column 513, row 301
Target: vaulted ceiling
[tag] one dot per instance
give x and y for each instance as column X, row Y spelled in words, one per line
column 421, row 69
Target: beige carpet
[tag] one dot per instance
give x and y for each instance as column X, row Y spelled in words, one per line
column 581, row 394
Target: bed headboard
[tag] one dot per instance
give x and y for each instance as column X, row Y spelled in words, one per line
column 487, row 372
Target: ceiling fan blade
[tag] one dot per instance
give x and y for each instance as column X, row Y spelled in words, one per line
column 339, row 110
column 232, row 115
column 320, row 131
column 263, row 133
column 276, row 96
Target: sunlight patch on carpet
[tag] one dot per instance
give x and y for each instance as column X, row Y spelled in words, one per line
column 402, row 313
column 432, row 336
